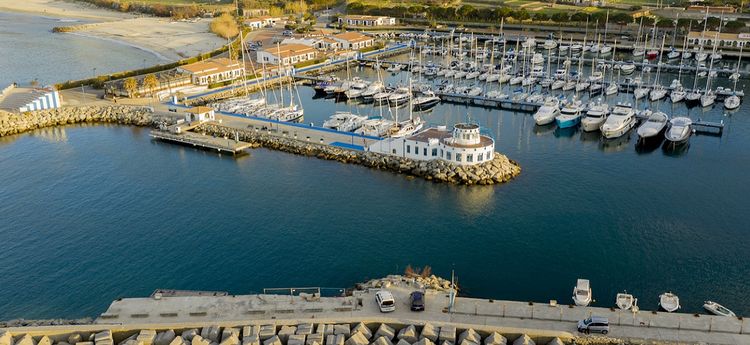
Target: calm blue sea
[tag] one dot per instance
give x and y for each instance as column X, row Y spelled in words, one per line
column 93, row 213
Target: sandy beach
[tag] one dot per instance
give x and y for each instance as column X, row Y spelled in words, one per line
column 167, row 39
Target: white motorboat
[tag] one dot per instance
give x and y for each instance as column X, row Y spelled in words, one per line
column 537, row 72
column 537, row 59
column 595, row 116
column 569, row 85
column 394, row 68
column 557, row 84
column 639, row 52
column 669, row 302
column 605, row 49
column 596, row 77
column 472, row 74
column 373, row 89
column 530, row 80
column 560, row 73
column 701, row 56
column 582, row 293
column 399, row 97
column 550, row 44
column 427, row 100
column 620, row 121
column 473, row 91
column 718, row 309
column 460, row 74
column 686, row 55
column 611, row 89
column 356, row 89
column 496, row 94
column 582, row 86
column 732, row 102
column 503, row 78
column 547, row 113
column 679, row 130
column 516, row 80
column 652, row 128
column 627, row 68
column 693, row 96
column 375, row 127
column 673, row 55
column 625, row 301
column 381, row 98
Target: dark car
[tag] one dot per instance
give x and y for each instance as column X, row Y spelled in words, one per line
column 417, row 301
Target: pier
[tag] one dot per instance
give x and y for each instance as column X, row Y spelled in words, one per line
column 301, row 317
column 204, row 141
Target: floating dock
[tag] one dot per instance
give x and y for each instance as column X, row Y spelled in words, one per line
column 203, row 141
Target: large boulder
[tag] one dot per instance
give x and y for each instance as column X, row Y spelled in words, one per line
column 199, row 340
column 45, row 340
column 296, row 339
column 178, row 341
column 274, row 340
column 189, row 334
column 448, row 333
column 231, row 339
column 362, row 328
column 305, row 328
column 211, row 333
column 342, row 329
column 385, row 331
column 495, row 339
column 6, row 338
column 523, row 340
column 230, row 331
column 430, row 332
column 285, row 332
column 382, row 341
column 26, row 339
column 267, row 331
column 146, row 336
column 471, row 336
column 162, row 338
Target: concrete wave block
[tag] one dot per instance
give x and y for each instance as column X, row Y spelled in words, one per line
column 146, row 336
column 495, row 339
column 447, row 333
column 74, row 338
column 357, row 338
column 85, row 343
column 324, row 329
column 403, row 342
column 45, row 340
column 381, row 340
column 556, row 341
column 445, row 342
column 199, row 340
column 126, row 342
column 274, row 340
column 285, row 332
column 471, row 336
column 524, row 340
column 229, row 331
column 162, row 338
column 6, row 338
column 305, row 328
column 251, row 339
column 343, row 329
column 231, row 339
column 178, row 341
column 296, row 339
column 250, row 330
column 189, row 334
column 424, row 341
column 362, row 328
column 409, row 334
column 333, row 339
column 26, row 340
column 430, row 332
column 102, row 336
column 468, row 342
column 267, row 331
column 385, row 331
column 314, row 338
column 210, row 333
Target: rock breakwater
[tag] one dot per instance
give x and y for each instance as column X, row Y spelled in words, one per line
column 14, row 123
column 499, row 170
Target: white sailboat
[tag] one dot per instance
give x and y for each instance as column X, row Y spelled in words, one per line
column 733, row 102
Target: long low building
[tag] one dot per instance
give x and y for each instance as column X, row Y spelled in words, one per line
column 213, row 71
column 723, row 40
column 286, row 54
column 463, row 146
column 364, row 20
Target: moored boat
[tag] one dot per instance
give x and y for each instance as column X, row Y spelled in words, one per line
column 582, row 293
column 619, row 122
column 625, row 301
column 570, row 115
column 669, row 302
column 718, row 309
column 653, row 127
column 679, row 130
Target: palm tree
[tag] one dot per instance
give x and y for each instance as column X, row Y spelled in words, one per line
column 131, row 86
column 150, row 83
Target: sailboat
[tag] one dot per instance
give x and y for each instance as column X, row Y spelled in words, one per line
column 733, row 102
column 709, row 97
column 658, row 91
column 612, row 87
column 410, row 126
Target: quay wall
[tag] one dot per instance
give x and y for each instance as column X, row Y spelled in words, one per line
column 499, row 170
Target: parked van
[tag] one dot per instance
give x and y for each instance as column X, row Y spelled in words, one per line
column 596, row 324
column 385, row 301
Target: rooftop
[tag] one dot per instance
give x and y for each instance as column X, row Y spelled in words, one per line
column 199, row 110
column 445, row 135
column 289, row 49
column 352, row 36
column 212, row 66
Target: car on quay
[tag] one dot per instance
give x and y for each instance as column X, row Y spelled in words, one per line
column 416, row 301
column 386, row 302
column 595, row 324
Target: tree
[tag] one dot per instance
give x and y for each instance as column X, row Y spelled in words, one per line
column 579, row 17
column 560, row 17
column 150, row 83
column 734, row 26
column 620, row 18
column 542, row 17
column 131, row 86
column 225, row 26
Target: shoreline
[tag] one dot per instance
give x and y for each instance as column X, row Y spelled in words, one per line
column 55, row 9
column 155, row 53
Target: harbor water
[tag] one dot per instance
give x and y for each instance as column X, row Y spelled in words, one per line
column 93, row 213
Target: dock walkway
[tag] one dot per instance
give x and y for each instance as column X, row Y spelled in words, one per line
column 199, row 140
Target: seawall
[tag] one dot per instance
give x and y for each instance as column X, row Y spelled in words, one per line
column 499, row 170
column 14, row 123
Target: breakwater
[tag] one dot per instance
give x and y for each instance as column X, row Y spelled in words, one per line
column 501, row 169
column 15, row 123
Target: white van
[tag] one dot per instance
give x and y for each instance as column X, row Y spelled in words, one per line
column 385, row 301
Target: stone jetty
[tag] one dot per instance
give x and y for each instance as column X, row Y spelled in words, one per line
column 499, row 170
column 14, row 123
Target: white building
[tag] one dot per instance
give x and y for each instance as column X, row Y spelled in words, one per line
column 353, row 40
column 201, row 114
column 286, row 54
column 363, row 20
column 213, row 71
column 723, row 40
column 263, row 22
column 463, row 146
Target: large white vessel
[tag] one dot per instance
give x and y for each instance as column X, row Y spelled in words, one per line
column 595, row 116
column 547, row 113
column 619, row 122
column 582, row 293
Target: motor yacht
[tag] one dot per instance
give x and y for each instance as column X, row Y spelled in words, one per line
column 570, row 114
column 582, row 293
column 652, row 128
column 679, row 130
column 620, row 121
column 547, row 113
column 718, row 309
column 427, row 100
column 595, row 116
